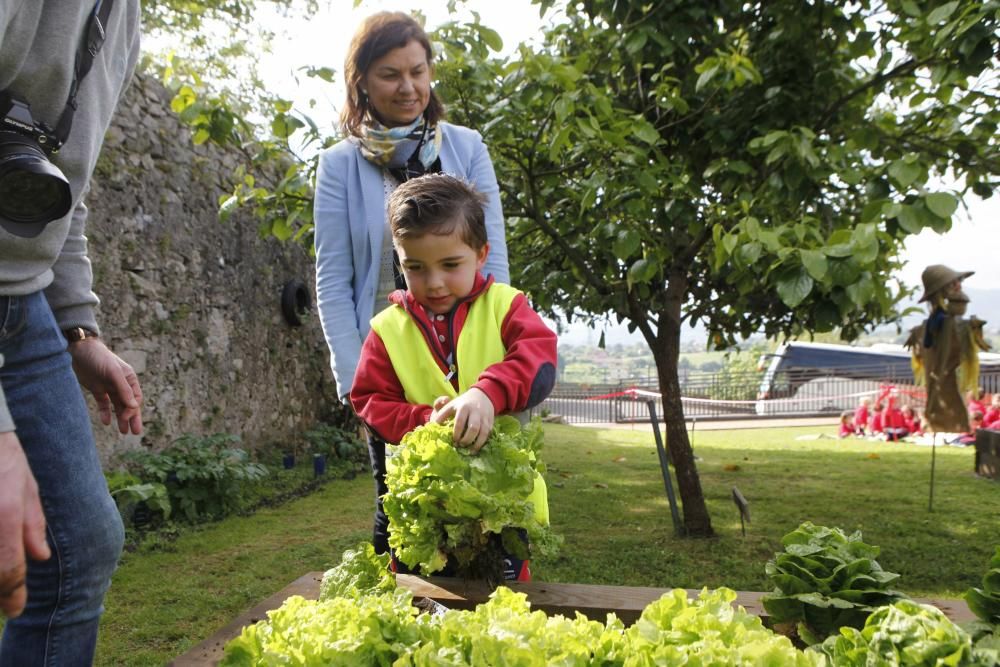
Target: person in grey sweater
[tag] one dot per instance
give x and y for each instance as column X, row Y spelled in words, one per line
column 60, row 532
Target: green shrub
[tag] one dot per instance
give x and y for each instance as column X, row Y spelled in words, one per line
column 136, row 498
column 203, row 475
column 336, row 442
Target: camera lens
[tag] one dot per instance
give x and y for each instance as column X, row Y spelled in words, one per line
column 32, row 189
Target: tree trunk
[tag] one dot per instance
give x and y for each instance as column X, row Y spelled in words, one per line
column 666, row 351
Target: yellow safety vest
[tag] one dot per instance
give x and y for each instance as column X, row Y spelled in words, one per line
column 478, row 347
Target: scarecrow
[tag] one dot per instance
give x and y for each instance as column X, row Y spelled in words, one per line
column 946, row 349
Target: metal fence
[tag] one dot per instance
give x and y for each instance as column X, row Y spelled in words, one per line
column 718, row 396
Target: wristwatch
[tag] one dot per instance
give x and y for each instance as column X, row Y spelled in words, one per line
column 79, row 333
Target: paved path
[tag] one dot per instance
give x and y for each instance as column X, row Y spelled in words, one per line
column 719, row 425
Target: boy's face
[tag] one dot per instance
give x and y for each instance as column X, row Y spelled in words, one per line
column 439, row 270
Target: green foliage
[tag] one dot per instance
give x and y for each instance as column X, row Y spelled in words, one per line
column 380, row 628
column 336, row 442
column 365, row 630
column 445, row 502
column 739, row 378
column 905, row 633
column 677, row 631
column 985, row 602
column 360, row 572
column 129, row 491
column 271, row 180
column 759, row 162
column 216, row 571
column 504, row 631
column 220, row 95
column 203, row 475
column 825, row 580
column 754, row 166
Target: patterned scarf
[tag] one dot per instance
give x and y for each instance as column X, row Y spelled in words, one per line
column 400, row 147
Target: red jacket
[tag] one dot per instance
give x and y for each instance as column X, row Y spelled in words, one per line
column 861, row 417
column 892, row 417
column 521, row 381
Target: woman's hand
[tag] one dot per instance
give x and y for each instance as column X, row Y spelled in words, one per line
column 111, row 381
column 473, row 412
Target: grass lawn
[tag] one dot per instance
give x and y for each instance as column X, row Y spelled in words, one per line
column 607, row 500
column 169, row 596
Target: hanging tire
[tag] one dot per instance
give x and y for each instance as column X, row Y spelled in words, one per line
column 295, row 302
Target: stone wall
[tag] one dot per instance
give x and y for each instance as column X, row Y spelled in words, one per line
column 194, row 304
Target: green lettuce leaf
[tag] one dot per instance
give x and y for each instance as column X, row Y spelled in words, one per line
column 985, row 602
column 825, row 579
column 444, row 502
column 361, row 572
column 902, row 634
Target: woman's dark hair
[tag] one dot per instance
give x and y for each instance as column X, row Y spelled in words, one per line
column 379, row 34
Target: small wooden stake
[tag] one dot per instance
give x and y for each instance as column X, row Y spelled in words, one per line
column 744, row 508
column 930, row 502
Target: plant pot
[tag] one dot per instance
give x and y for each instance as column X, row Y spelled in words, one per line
column 319, row 464
column 288, row 460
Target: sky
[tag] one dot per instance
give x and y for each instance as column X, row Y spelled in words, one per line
column 973, row 244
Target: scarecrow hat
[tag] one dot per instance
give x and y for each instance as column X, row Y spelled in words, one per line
column 938, row 276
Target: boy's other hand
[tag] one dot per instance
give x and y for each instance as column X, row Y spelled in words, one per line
column 473, row 412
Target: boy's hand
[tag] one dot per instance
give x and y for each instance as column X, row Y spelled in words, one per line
column 473, row 412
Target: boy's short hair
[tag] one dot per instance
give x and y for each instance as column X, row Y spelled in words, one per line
column 438, row 204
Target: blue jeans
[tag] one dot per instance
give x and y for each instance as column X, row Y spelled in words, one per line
column 66, row 592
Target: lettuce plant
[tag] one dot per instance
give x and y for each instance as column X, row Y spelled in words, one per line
column 361, row 630
column 504, row 631
column 825, row 580
column 902, row 634
column 361, row 572
column 444, row 502
column 985, row 602
column 708, row 631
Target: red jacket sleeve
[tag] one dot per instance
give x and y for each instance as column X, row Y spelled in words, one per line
column 528, row 371
column 377, row 394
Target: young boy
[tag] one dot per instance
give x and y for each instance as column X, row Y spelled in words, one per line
column 453, row 344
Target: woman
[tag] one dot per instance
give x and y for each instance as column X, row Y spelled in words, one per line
column 393, row 123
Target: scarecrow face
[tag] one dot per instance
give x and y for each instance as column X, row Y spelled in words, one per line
column 957, row 304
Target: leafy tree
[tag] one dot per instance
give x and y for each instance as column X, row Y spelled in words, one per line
column 754, row 166
column 219, row 94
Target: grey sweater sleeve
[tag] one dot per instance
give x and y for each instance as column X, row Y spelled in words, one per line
column 38, row 42
column 71, row 294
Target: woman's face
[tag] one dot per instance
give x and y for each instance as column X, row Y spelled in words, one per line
column 398, row 85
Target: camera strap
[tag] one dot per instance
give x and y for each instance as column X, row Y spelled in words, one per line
column 90, row 45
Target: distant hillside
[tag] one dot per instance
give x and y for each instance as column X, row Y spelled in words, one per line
column 985, row 304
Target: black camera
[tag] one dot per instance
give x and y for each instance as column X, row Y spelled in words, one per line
column 33, row 191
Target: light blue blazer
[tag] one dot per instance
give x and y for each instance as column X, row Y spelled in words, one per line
column 349, row 213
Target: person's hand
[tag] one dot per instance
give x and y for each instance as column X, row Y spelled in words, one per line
column 22, row 524
column 111, row 381
column 473, row 412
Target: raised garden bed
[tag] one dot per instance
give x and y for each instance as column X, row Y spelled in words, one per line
column 988, row 453
column 594, row 601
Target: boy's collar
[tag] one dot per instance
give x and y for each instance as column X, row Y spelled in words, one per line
column 405, row 299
